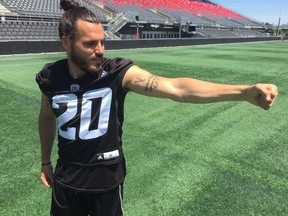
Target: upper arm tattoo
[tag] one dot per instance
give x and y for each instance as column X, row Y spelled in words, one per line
column 139, row 80
column 151, row 83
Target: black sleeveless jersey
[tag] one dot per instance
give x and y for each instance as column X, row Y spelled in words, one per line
column 89, row 113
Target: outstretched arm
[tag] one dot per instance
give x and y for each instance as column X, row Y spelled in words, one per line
column 191, row 90
column 47, row 130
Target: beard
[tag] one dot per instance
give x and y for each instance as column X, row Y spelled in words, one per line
column 83, row 63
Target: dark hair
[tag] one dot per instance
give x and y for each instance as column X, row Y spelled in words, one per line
column 73, row 12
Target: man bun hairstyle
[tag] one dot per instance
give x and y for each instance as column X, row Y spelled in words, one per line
column 73, row 12
column 68, row 4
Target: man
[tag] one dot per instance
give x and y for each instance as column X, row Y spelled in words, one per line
column 85, row 93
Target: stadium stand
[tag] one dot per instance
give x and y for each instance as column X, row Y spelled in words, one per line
column 218, row 33
column 32, row 7
column 129, row 19
column 135, row 10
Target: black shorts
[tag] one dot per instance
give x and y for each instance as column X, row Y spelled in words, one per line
column 68, row 202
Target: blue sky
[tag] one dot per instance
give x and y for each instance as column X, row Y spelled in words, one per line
column 260, row 10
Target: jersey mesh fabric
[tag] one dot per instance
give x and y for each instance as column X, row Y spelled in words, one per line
column 90, row 114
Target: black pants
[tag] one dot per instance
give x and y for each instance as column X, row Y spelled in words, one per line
column 67, row 202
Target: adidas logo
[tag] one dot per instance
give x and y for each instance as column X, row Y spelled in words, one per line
column 104, row 73
column 100, row 158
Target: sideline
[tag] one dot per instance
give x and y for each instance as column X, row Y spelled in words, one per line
column 149, row 48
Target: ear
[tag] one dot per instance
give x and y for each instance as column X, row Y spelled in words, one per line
column 65, row 41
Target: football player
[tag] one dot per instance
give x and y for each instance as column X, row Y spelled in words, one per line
column 84, row 96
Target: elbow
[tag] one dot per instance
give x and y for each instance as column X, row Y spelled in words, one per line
column 180, row 97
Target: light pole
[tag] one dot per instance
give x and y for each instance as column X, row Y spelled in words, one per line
column 279, row 21
column 137, row 30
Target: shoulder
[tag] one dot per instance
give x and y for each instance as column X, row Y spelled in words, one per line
column 117, row 65
column 49, row 70
column 53, row 67
column 51, row 73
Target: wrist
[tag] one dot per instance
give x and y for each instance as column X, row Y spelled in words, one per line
column 46, row 163
column 244, row 92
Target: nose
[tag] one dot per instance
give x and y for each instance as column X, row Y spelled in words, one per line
column 99, row 50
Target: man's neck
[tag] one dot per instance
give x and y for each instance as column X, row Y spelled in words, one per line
column 74, row 71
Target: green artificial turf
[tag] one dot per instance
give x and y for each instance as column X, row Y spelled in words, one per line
column 226, row 158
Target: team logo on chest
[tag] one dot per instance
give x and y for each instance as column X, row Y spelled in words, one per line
column 74, row 87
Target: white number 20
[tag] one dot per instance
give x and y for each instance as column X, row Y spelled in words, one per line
column 71, row 102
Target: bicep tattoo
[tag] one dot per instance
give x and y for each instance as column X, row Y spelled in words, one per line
column 139, row 80
column 151, row 83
